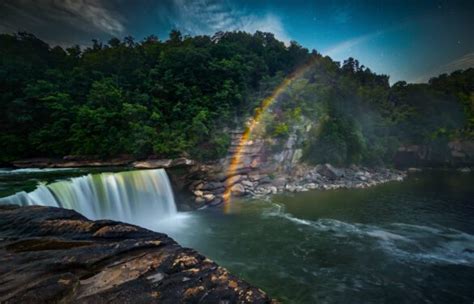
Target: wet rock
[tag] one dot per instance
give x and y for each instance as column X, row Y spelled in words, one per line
column 212, row 186
column 53, row 255
column 181, row 162
column 200, row 200
column 237, row 190
column 209, row 197
column 328, row 171
column 218, row 190
column 233, row 180
column 216, row 201
column 153, row 164
column 72, row 161
column 199, row 186
column 163, row 163
column 265, row 180
column 273, row 190
column 247, row 183
column 198, row 193
column 255, row 177
column 279, row 182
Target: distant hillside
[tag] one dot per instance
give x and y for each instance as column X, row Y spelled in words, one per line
column 182, row 96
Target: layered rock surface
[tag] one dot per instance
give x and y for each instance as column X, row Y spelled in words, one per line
column 50, row 255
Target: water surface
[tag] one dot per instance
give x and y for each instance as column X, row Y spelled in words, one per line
column 407, row 242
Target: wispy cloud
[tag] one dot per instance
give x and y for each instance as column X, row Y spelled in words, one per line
column 210, row 16
column 269, row 23
column 350, row 43
column 94, row 12
column 464, row 62
column 86, row 15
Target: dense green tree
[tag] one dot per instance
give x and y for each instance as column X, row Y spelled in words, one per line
column 179, row 96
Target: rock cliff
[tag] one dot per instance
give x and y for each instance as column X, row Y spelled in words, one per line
column 51, row 255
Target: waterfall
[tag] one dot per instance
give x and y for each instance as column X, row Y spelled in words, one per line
column 138, row 197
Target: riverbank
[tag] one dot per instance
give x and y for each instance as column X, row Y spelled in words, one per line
column 198, row 184
column 57, row 255
column 86, row 162
column 209, row 188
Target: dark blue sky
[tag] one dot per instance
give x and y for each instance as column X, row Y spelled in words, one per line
column 410, row 40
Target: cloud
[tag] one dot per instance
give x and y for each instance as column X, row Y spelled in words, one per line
column 269, row 23
column 85, row 15
column 209, row 16
column 350, row 43
column 464, row 62
column 94, row 12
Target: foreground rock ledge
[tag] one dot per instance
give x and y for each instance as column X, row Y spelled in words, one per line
column 50, row 255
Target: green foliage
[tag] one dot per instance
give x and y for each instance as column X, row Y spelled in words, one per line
column 336, row 140
column 167, row 98
column 179, row 96
column 360, row 119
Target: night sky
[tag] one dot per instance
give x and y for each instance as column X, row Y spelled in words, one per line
column 410, row 40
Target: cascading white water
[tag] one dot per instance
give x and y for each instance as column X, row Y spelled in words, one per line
column 138, row 197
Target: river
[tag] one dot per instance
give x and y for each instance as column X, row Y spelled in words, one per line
column 401, row 242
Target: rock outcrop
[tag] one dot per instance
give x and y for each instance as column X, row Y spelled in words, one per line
column 163, row 163
column 51, row 255
column 71, row 162
column 454, row 154
column 123, row 161
column 209, row 187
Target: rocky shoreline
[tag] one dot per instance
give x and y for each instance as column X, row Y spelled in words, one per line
column 54, row 255
column 207, row 183
column 84, row 162
column 209, row 188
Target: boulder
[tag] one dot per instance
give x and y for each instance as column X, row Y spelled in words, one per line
column 265, row 180
column 237, row 190
column 216, row 201
column 53, row 255
column 233, row 180
column 218, row 190
column 279, row 181
column 254, row 177
column 212, row 185
column 198, row 193
column 181, row 162
column 163, row 163
column 209, row 197
column 273, row 190
column 152, row 164
column 247, row 183
column 328, row 171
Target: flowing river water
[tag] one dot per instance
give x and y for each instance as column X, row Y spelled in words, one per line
column 402, row 242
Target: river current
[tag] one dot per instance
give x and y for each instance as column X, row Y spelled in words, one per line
column 402, row 242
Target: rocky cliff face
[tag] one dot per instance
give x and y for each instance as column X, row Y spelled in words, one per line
column 453, row 154
column 263, row 171
column 51, row 255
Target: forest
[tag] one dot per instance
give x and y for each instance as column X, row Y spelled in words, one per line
column 181, row 96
